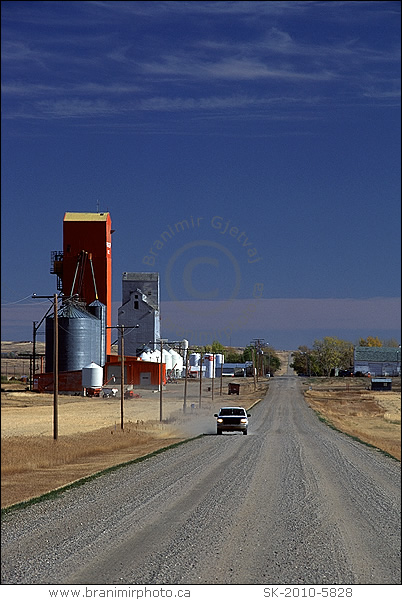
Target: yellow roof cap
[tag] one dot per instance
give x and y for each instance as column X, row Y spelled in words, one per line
column 73, row 216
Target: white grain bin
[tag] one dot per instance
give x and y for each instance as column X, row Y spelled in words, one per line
column 177, row 362
column 167, row 359
column 146, row 356
column 194, row 359
column 209, row 366
column 184, row 345
column 219, row 362
column 155, row 356
column 219, row 359
column 92, row 376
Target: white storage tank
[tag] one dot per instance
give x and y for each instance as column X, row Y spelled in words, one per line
column 194, row 359
column 177, row 362
column 219, row 362
column 167, row 359
column 219, row 359
column 155, row 356
column 184, row 345
column 92, row 376
column 209, row 366
column 146, row 356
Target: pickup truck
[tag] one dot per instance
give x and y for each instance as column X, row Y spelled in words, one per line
column 232, row 418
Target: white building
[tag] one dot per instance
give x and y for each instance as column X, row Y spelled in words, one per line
column 378, row 361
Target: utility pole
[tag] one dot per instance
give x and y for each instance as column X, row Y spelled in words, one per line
column 199, row 400
column 161, row 382
column 161, row 386
column 185, row 385
column 55, row 372
column 55, row 362
column 255, row 383
column 122, row 377
column 120, row 328
column 35, row 329
column 213, row 376
column 258, row 343
column 33, row 357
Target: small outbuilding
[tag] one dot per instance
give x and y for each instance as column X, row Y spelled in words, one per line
column 381, row 384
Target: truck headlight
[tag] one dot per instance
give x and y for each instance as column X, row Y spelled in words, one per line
column 220, row 421
column 243, row 420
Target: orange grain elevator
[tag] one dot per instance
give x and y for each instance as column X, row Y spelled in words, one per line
column 85, row 265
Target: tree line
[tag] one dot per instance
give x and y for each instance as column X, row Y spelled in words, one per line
column 331, row 353
column 265, row 358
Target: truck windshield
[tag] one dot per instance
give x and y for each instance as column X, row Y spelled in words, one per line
column 226, row 412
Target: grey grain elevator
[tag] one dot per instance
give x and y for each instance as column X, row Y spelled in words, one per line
column 139, row 312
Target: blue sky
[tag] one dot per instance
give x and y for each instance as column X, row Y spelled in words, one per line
column 263, row 136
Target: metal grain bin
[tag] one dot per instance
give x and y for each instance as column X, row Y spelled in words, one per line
column 79, row 335
column 92, row 376
column 98, row 309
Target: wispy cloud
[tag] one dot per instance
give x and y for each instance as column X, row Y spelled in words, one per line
column 85, row 89
column 230, row 68
column 118, row 58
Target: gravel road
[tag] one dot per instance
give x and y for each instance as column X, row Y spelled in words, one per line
column 292, row 502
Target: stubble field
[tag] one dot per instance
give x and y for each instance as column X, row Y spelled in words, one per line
column 372, row 417
column 90, row 435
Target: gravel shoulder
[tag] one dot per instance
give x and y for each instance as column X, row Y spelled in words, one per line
column 292, row 502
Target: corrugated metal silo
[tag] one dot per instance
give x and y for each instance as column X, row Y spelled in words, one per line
column 98, row 309
column 79, row 334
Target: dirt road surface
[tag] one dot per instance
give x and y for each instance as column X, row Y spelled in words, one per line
column 292, row 502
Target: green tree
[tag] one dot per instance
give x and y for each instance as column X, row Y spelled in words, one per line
column 332, row 353
column 304, row 362
column 217, row 348
column 248, row 353
column 326, row 355
column 268, row 360
column 272, row 362
column 231, row 356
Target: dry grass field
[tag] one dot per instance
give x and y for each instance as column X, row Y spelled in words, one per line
column 90, row 435
column 372, row 417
